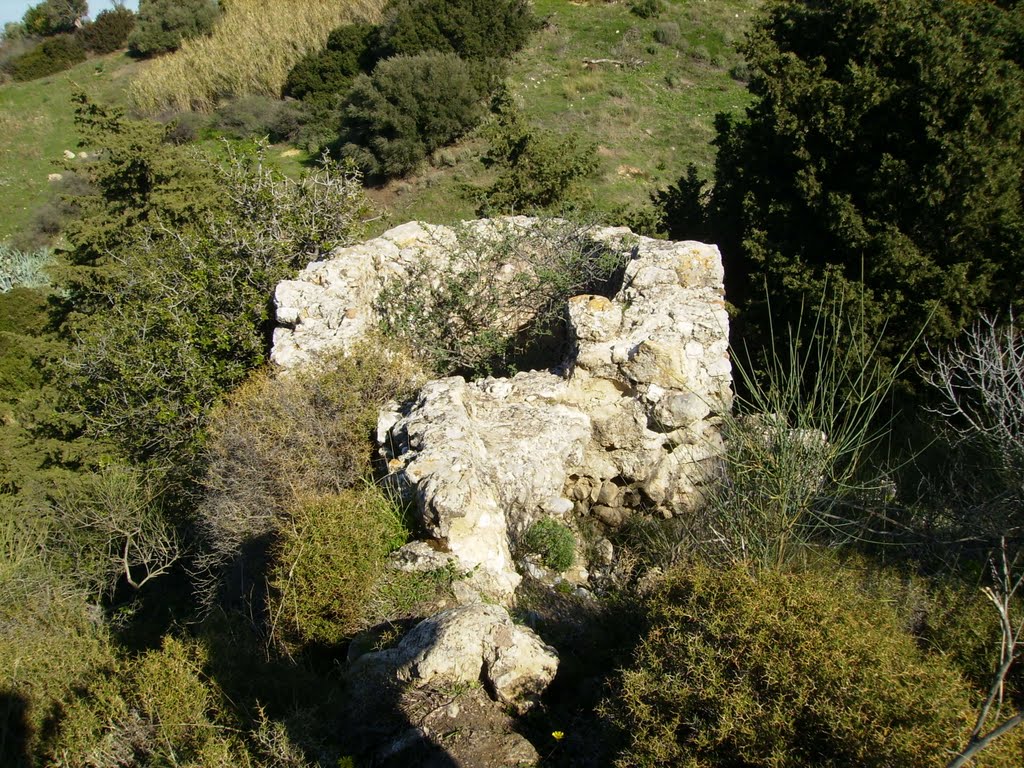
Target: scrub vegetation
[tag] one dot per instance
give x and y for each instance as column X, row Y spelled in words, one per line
column 192, row 545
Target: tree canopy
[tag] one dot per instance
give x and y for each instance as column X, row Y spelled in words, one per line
column 883, row 156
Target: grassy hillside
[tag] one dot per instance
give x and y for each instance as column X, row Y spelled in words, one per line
column 37, row 126
column 650, row 116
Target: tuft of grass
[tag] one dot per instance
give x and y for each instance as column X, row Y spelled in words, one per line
column 250, row 52
column 553, row 541
column 20, row 269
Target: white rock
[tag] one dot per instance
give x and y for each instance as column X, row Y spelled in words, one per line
column 468, row 644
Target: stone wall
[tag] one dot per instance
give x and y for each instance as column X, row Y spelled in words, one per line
column 627, row 424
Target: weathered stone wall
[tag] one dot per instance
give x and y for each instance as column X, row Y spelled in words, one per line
column 627, row 425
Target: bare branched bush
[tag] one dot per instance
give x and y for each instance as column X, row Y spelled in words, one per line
column 1007, row 583
column 114, row 527
column 981, row 381
column 496, row 292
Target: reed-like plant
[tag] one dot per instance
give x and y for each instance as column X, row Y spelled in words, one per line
column 251, row 51
column 800, row 442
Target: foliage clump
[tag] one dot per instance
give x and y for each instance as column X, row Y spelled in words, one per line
column 110, row 30
column 163, row 25
column 276, row 437
column 54, row 17
column 329, row 72
column 536, row 169
column 553, row 541
column 20, row 269
column 409, row 107
column 785, row 669
column 470, row 29
column 330, row 568
column 157, row 709
column 55, row 54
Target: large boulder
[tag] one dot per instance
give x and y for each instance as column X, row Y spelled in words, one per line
column 626, row 424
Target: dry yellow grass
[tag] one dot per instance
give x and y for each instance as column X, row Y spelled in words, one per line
column 251, row 51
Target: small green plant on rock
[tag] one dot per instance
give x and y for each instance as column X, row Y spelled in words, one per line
column 553, row 541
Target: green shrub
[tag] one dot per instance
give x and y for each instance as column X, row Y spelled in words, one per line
column 472, row 29
column 158, row 709
column 458, row 318
column 786, row 669
column 49, row 57
column 162, row 25
column 647, row 9
column 667, row 33
column 536, row 169
column 331, row 70
column 109, row 32
column 328, row 562
column 257, row 117
column 308, row 432
column 51, row 641
column 412, row 105
column 184, row 127
column 553, row 541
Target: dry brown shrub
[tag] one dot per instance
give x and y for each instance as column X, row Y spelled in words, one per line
column 281, row 438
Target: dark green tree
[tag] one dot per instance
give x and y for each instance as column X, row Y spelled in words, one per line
column 473, row 29
column 330, row 71
column 109, row 31
column 409, row 107
column 53, row 17
column 162, row 25
column 882, row 156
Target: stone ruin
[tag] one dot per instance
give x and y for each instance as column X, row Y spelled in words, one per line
column 627, row 424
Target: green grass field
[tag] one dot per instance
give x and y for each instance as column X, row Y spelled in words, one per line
column 37, row 126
